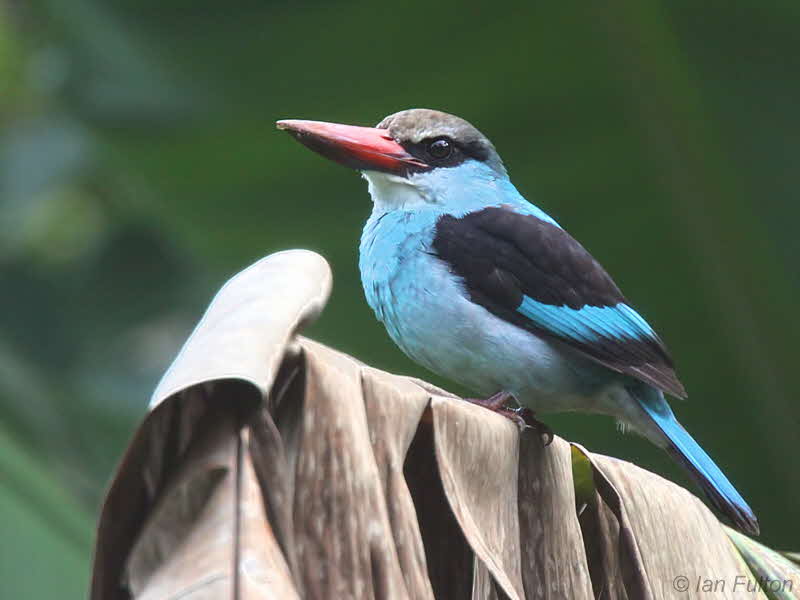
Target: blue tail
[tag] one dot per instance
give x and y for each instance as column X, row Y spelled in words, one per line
column 688, row 453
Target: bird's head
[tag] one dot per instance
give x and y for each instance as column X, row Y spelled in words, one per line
column 411, row 158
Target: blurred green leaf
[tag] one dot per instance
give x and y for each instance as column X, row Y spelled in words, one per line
column 42, row 525
column 773, row 573
column 582, row 478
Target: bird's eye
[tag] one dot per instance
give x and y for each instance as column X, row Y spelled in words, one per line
column 440, row 148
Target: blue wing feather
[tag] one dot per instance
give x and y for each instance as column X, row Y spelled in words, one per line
column 530, row 272
column 588, row 324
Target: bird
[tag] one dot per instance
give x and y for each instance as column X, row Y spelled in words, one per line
column 484, row 288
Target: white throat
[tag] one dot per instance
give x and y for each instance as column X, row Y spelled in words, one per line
column 393, row 192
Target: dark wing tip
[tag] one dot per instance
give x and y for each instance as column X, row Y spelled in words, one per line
column 661, row 376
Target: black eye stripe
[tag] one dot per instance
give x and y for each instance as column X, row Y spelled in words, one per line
column 435, row 157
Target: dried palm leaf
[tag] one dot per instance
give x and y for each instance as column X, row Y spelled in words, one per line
column 271, row 466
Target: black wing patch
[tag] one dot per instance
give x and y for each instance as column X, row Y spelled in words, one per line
column 506, row 258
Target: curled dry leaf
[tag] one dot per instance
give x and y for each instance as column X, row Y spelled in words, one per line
column 270, row 466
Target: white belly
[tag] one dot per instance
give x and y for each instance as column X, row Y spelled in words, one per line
column 428, row 314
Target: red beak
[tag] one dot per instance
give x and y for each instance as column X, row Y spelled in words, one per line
column 362, row 148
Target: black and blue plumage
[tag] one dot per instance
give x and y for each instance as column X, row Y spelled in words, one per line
column 483, row 287
column 534, row 274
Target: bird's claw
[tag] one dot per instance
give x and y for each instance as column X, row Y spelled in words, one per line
column 522, row 416
column 525, row 418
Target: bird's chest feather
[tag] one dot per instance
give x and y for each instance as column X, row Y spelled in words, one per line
column 428, row 314
column 411, row 291
column 401, row 278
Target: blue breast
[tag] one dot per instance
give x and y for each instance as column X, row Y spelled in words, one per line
column 389, row 241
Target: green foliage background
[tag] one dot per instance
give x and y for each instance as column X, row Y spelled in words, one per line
column 140, row 168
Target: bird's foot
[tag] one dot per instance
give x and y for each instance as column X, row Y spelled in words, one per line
column 496, row 402
column 522, row 416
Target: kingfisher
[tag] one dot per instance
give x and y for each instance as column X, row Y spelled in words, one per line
column 484, row 288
